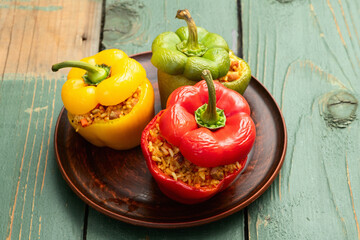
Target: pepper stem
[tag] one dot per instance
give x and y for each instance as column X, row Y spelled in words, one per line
column 191, row 46
column 94, row 75
column 208, row 115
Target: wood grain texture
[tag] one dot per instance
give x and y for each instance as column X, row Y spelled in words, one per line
column 36, row 203
column 119, row 184
column 306, row 53
column 131, row 26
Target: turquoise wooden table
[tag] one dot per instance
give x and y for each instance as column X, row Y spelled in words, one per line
column 306, row 53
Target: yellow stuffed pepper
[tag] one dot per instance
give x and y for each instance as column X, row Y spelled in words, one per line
column 108, row 98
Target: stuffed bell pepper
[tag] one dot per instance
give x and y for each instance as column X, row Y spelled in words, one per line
column 181, row 56
column 199, row 144
column 108, row 98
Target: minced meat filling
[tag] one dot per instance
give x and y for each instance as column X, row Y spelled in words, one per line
column 235, row 71
column 171, row 162
column 107, row 113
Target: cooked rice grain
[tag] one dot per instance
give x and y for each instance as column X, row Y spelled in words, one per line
column 170, row 161
column 107, row 113
column 235, row 70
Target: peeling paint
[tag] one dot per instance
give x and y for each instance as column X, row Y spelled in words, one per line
column 126, row 22
column 30, row 7
column 263, row 222
column 338, row 108
column 38, row 109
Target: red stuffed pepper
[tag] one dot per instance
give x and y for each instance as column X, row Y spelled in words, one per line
column 199, row 144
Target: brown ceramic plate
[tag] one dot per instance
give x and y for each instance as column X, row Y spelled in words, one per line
column 118, row 183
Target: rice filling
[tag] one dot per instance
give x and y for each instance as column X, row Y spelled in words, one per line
column 106, row 113
column 235, row 70
column 172, row 163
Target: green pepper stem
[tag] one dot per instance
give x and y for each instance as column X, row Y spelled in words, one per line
column 191, row 46
column 210, row 115
column 193, row 37
column 95, row 74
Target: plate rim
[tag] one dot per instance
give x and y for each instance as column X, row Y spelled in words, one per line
column 170, row 225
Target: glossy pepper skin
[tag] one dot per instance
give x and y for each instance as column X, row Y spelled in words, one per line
column 177, row 67
column 202, row 146
column 126, row 75
column 230, row 143
column 168, row 83
column 177, row 190
column 204, row 50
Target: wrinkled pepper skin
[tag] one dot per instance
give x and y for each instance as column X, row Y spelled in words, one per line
column 203, row 147
column 167, row 58
column 177, row 190
column 125, row 132
column 126, row 76
column 181, row 56
column 168, row 83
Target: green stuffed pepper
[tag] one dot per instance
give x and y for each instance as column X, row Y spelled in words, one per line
column 181, row 56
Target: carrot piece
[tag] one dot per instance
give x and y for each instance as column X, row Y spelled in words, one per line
column 233, row 76
column 234, row 64
column 84, row 122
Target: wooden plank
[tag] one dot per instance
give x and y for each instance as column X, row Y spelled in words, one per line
column 306, row 53
column 102, row 227
column 36, row 202
column 132, row 26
